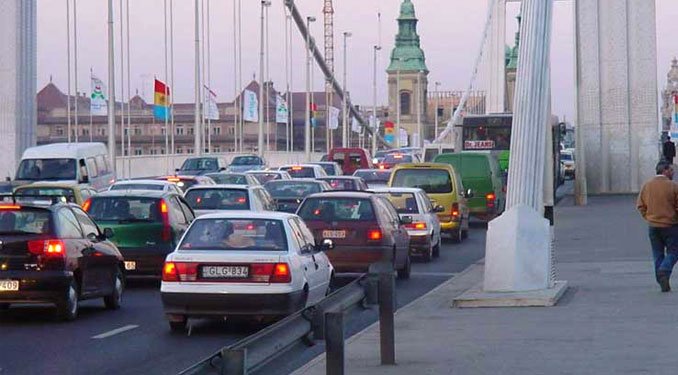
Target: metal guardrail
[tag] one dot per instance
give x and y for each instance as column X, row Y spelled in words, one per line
column 323, row 321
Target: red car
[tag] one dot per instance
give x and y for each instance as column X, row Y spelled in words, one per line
column 364, row 227
column 351, row 159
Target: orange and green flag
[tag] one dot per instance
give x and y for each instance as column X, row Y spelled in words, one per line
column 161, row 107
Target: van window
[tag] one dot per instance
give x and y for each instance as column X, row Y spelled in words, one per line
column 339, row 158
column 432, row 181
column 47, row 170
column 91, row 168
column 355, row 159
column 102, row 168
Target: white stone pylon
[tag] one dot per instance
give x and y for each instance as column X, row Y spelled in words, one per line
column 517, row 254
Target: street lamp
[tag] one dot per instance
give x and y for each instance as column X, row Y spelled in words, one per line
column 344, row 133
column 374, row 99
column 420, row 108
column 260, row 140
column 398, row 103
column 437, row 84
column 307, row 130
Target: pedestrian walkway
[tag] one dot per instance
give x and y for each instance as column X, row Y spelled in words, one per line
column 613, row 319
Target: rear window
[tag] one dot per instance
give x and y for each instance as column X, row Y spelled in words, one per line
column 299, row 172
column 341, row 184
column 25, row 221
column 329, row 169
column 228, row 179
column 208, row 164
column 266, row 177
column 125, row 209
column 337, row 209
column 291, row 189
column 374, row 176
column 405, row 203
column 397, row 158
column 37, row 192
column 246, row 160
column 235, row 234
column 137, row 187
column 218, row 199
column 355, row 159
column 432, row 181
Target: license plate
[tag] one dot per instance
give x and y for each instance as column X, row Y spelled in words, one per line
column 225, row 272
column 9, row 285
column 130, row 266
column 334, row 234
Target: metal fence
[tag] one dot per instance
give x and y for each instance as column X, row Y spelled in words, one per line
column 323, row 321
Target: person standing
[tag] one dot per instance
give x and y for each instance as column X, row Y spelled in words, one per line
column 658, row 205
column 669, row 150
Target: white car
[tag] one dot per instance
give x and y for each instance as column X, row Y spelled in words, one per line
column 424, row 230
column 269, row 175
column 214, row 198
column 244, row 263
column 304, row 170
column 155, row 185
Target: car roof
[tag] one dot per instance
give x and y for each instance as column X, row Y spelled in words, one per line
column 325, row 163
column 65, row 150
column 294, row 180
column 342, row 177
column 397, row 190
column 143, row 181
column 343, row 194
column 61, row 185
column 300, row 165
column 265, row 171
column 373, row 170
column 222, row 187
column 134, row 193
column 275, row 215
column 226, row 174
column 423, row 166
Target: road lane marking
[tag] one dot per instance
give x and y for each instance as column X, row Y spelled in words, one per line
column 436, row 274
column 115, row 331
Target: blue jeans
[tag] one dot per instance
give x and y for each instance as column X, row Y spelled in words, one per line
column 664, row 243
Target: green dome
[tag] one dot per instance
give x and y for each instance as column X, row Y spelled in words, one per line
column 407, row 10
column 407, row 54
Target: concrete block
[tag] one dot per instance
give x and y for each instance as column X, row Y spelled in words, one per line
column 476, row 297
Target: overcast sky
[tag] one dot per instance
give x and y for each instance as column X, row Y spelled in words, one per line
column 449, row 29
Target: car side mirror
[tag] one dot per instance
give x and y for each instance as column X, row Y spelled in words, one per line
column 325, row 245
column 222, row 169
column 108, row 233
column 406, row 220
column 93, row 237
column 438, row 208
column 177, row 169
column 469, row 193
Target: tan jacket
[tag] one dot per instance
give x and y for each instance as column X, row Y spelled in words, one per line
column 658, row 202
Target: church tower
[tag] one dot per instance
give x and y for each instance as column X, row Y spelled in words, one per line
column 408, row 79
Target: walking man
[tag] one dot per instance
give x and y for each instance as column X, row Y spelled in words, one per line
column 669, row 150
column 658, row 204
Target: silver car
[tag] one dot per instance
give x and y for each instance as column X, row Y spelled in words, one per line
column 424, row 230
column 215, row 198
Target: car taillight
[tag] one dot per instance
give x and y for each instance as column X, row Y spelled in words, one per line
column 278, row 273
column 9, row 207
column 455, row 211
column 416, row 226
column 374, row 235
column 50, row 248
column 490, row 200
column 177, row 271
column 87, row 205
column 166, row 228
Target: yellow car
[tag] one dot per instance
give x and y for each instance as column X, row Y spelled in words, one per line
column 443, row 186
column 74, row 193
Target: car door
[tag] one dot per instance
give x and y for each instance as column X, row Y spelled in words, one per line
column 398, row 232
column 180, row 219
column 307, row 256
column 103, row 261
column 266, row 199
column 432, row 221
column 321, row 277
column 80, row 252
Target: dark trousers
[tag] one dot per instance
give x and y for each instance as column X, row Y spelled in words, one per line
column 664, row 243
column 669, row 159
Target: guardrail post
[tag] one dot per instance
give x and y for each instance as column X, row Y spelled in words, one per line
column 334, row 342
column 386, row 318
column 233, row 361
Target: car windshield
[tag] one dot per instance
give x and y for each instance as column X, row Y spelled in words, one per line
column 228, row 179
column 47, row 170
column 246, row 160
column 432, row 181
column 235, row 234
column 291, row 189
column 126, row 209
column 566, row 157
column 329, row 169
column 405, row 203
column 137, row 187
column 69, row 194
column 299, row 172
column 374, row 176
column 337, row 209
column 397, row 158
column 266, row 177
column 24, row 221
column 218, row 199
column 201, row 164
column 341, row 183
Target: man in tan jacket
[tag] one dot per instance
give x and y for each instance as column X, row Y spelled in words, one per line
column 658, row 204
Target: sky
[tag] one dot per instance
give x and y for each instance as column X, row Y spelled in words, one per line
column 450, row 32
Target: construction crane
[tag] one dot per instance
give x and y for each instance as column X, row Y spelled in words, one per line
column 328, row 11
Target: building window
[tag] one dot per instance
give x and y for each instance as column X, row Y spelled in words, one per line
column 190, row 131
column 162, row 151
column 231, row 149
column 59, row 131
column 163, row 131
column 153, row 151
column 180, row 150
column 102, row 132
column 126, row 152
column 231, row 130
column 137, row 131
column 125, row 131
column 85, row 132
column 216, row 130
column 216, row 149
column 138, row 152
column 180, row 131
column 405, row 103
column 189, row 151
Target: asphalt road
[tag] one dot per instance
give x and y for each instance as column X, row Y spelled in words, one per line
column 136, row 339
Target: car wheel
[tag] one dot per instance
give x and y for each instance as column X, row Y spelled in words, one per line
column 436, row 248
column 457, row 235
column 178, row 326
column 404, row 273
column 4, row 306
column 67, row 309
column 429, row 254
column 114, row 300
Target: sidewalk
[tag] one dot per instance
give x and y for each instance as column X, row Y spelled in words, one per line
column 613, row 320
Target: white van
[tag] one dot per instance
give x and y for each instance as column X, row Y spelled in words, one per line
column 80, row 163
column 435, row 149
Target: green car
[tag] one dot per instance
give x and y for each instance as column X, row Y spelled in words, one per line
column 146, row 225
column 481, row 173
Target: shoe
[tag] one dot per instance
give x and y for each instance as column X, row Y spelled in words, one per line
column 664, row 283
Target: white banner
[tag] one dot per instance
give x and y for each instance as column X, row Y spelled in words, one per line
column 374, row 123
column 250, row 107
column 98, row 105
column 355, row 126
column 334, row 118
column 211, row 111
column 403, row 138
column 281, row 112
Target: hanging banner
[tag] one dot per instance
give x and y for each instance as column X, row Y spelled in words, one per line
column 389, row 132
column 403, row 138
column 98, row 105
column 281, row 112
column 211, row 111
column 355, row 126
column 250, row 107
column 374, row 123
column 334, row 118
column 161, row 107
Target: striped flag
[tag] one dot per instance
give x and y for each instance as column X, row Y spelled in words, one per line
column 161, row 107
